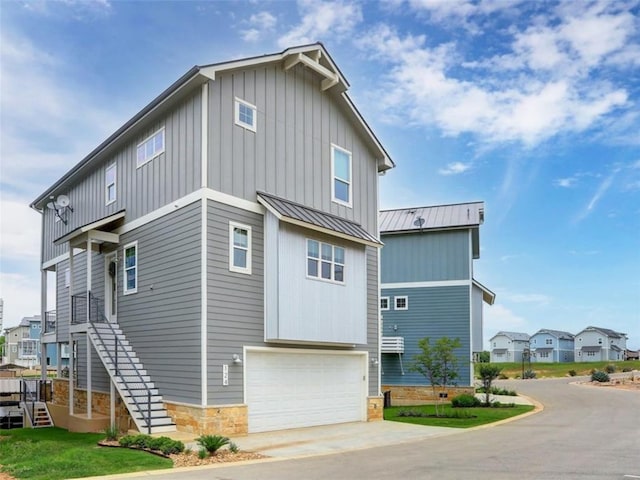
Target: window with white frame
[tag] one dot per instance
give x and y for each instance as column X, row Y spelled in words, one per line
column 341, row 175
column 150, row 147
column 402, row 303
column 130, row 268
column 245, row 115
column 384, row 303
column 549, row 341
column 110, row 183
column 239, row 248
column 543, row 354
column 325, row 261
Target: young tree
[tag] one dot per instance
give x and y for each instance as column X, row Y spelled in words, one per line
column 438, row 363
column 488, row 373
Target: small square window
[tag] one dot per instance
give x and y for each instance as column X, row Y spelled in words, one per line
column 245, row 115
column 239, row 248
column 402, row 303
column 384, row 303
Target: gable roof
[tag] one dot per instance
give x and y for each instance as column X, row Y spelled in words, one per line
column 307, row 217
column 436, row 217
column 313, row 56
column 487, row 295
column 605, row 331
column 516, row 336
column 562, row 335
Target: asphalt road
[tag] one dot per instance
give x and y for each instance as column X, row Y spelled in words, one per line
column 583, row 433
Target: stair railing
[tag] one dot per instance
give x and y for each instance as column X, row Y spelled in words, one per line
column 102, row 319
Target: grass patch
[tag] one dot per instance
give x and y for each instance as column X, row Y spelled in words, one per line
column 550, row 370
column 472, row 417
column 55, row 453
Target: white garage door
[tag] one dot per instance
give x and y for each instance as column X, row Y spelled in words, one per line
column 292, row 390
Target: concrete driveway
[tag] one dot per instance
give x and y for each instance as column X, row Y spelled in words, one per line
column 583, row 433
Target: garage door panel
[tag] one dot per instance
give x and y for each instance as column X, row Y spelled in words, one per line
column 292, row 390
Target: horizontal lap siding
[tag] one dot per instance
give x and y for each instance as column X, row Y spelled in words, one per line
column 235, row 306
column 433, row 312
column 99, row 376
column 162, row 320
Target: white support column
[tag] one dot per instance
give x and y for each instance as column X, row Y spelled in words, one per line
column 58, row 355
column 71, row 350
column 43, row 323
column 89, row 383
column 88, row 340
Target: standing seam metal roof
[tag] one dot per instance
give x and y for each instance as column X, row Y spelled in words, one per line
column 434, row 217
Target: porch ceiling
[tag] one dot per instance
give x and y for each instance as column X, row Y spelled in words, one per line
column 93, row 232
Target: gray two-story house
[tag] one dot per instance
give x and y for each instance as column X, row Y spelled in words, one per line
column 216, row 258
column 429, row 290
column 595, row 344
column 551, row 346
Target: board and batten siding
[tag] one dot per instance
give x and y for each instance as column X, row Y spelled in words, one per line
column 438, row 256
column 172, row 175
column 289, row 155
column 373, row 323
column 162, row 320
column 433, row 312
column 235, row 307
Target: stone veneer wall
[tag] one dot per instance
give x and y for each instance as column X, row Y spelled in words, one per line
column 225, row 420
column 375, row 409
column 402, row 395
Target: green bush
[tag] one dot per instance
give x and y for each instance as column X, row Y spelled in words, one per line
column 572, row 373
column 465, row 401
column 166, row 445
column 502, row 376
column 611, row 368
column 627, row 369
column 212, row 443
column 529, row 374
column 111, row 433
column 498, row 391
column 233, row 448
column 202, row 453
column 599, row 376
column 127, row 440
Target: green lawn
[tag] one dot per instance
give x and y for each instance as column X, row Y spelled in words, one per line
column 54, row 453
column 482, row 415
column 513, row 370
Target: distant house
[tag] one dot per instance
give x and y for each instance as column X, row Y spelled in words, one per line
column 23, row 345
column 595, row 344
column 428, row 290
column 551, row 346
column 508, row 346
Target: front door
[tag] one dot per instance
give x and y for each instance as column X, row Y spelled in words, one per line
column 110, row 287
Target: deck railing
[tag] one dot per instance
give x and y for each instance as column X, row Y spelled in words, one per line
column 50, row 321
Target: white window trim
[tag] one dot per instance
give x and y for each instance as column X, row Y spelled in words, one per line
column 67, row 277
column 240, row 123
column 406, row 302
column 233, row 268
column 115, row 183
column 155, row 155
column 387, row 299
column 349, row 204
column 125, row 290
column 333, row 263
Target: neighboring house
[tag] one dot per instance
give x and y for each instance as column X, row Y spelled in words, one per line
column 594, row 344
column 23, row 342
column 551, row 346
column 226, row 240
column 428, row 289
column 508, row 346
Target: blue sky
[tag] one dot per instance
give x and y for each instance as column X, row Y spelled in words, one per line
column 531, row 107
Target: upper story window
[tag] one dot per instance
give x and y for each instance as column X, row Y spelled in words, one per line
column 384, row 303
column 239, row 248
column 151, row 147
column 131, row 268
column 341, row 175
column 325, row 261
column 402, row 303
column 549, row 341
column 110, row 183
column 245, row 114
column 599, row 341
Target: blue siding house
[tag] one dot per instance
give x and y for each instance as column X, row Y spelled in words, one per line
column 551, row 346
column 428, row 290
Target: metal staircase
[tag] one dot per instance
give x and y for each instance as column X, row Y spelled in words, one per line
column 31, row 402
column 134, row 385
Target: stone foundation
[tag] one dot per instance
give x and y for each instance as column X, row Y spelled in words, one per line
column 228, row 420
column 402, row 395
column 375, row 409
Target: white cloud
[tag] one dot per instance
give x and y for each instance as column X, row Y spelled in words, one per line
column 322, row 21
column 19, row 230
column 537, row 298
column 568, row 182
column 498, row 317
column 80, row 10
column 602, row 189
column 21, row 295
column 455, row 168
column 259, row 24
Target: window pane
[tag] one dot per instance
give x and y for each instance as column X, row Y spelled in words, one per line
column 141, row 153
column 240, row 237
column 341, row 190
column 341, row 164
column 148, row 149
column 326, row 270
column 111, row 193
column 110, row 175
column 130, row 257
column 131, row 279
column 313, row 249
column 240, row 257
column 384, row 303
column 327, row 252
column 312, row 267
column 338, row 273
column 338, row 253
column 246, row 114
column 159, row 142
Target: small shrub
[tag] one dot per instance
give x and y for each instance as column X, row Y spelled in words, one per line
column 188, row 450
column 497, row 404
column 409, row 413
column 202, row 453
column 572, row 373
column 502, row 376
column 126, row 441
column 142, row 440
column 111, row 433
column 465, row 401
column 611, row 368
column 627, row 369
column 212, row 443
column 529, row 374
column 599, row 376
column 233, row 448
column 166, row 445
